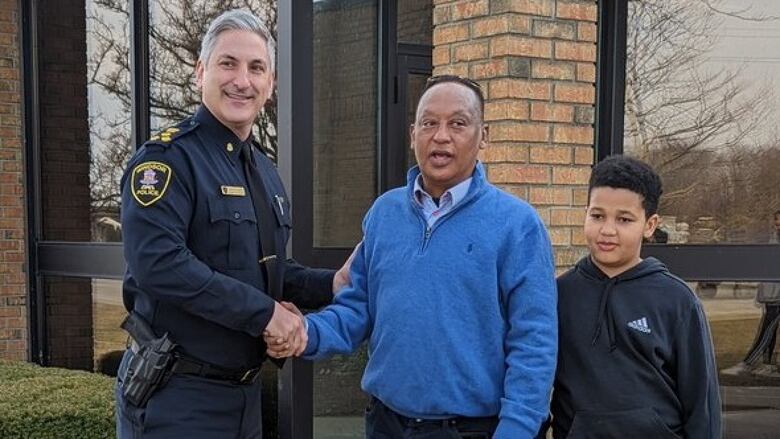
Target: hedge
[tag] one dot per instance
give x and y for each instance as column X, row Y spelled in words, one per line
column 37, row 402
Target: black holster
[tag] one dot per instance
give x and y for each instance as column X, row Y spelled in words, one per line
column 150, row 366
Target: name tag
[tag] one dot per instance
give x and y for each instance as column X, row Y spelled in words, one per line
column 233, row 191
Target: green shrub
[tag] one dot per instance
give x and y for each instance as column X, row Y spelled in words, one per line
column 43, row 403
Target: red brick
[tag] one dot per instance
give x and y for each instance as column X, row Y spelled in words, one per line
column 442, row 14
column 580, row 196
column 531, row 7
column 567, row 217
column 575, row 51
column 554, row 29
column 510, row 173
column 552, row 70
column 470, row 51
column 560, row 155
column 549, row 196
column 441, row 55
column 587, row 32
column 489, row 69
column 572, row 134
column 559, row 235
column 579, row 93
column 571, row 175
column 577, row 11
column 542, row 111
column 506, row 110
column 583, row 155
column 464, row 10
column 519, row 132
column 520, row 191
column 519, row 88
column 450, row 34
column 586, row 72
column 578, row 237
column 504, row 153
column 459, row 69
column 520, row 46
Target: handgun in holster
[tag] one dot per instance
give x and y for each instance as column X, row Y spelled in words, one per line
column 151, row 363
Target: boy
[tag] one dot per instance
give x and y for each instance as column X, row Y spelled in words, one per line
column 635, row 358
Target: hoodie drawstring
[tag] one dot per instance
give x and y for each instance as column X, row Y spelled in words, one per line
column 605, row 313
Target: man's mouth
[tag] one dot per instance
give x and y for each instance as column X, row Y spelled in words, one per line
column 440, row 158
column 238, row 96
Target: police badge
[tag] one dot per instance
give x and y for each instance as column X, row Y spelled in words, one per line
column 149, row 182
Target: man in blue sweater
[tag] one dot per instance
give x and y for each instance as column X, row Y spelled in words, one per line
column 454, row 289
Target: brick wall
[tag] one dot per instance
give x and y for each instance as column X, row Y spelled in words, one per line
column 65, row 160
column 535, row 60
column 13, row 289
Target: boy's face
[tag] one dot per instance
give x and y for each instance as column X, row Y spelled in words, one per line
column 615, row 224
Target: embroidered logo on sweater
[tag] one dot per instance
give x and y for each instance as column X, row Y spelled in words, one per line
column 640, row 325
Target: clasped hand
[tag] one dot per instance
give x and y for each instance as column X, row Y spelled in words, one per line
column 285, row 335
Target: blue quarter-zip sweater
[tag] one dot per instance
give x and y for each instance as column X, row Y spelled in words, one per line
column 460, row 317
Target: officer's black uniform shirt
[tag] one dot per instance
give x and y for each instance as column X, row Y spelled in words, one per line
column 192, row 246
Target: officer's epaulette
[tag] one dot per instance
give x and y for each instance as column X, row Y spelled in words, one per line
column 168, row 135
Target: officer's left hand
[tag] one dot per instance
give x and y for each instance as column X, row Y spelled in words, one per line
column 341, row 279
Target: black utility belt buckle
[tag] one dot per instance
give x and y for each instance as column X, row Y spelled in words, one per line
column 249, row 377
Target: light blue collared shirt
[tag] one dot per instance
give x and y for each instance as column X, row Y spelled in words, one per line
column 448, row 200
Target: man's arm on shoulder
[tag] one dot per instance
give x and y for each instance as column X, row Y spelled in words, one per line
column 697, row 376
column 527, row 282
column 155, row 248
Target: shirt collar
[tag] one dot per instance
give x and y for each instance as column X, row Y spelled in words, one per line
column 219, row 134
column 457, row 192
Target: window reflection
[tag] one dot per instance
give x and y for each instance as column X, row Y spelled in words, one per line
column 700, row 107
column 750, row 384
column 345, row 114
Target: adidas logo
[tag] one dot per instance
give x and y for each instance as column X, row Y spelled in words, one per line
column 640, row 325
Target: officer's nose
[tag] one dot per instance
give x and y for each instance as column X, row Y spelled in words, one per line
column 241, row 78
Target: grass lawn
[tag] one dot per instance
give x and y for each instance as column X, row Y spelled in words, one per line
column 732, row 339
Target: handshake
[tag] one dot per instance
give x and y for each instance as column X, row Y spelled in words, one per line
column 285, row 335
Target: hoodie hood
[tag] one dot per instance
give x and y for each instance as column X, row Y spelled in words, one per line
column 588, row 269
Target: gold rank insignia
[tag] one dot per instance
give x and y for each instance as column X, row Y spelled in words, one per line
column 165, row 136
column 233, row 191
column 149, row 182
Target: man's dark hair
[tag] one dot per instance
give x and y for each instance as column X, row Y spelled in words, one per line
column 777, row 213
column 472, row 85
column 621, row 172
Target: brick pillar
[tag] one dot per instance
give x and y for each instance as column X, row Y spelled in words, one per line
column 536, row 62
column 13, row 289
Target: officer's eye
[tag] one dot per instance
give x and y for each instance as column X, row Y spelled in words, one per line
column 428, row 123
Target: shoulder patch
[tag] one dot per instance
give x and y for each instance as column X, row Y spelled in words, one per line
column 170, row 134
column 150, row 181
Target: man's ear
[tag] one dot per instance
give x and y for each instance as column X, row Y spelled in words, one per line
column 650, row 225
column 411, row 137
column 485, row 131
column 199, row 74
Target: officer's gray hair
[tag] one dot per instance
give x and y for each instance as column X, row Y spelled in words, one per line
column 237, row 19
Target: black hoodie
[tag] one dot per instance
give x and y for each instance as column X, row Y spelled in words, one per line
column 635, row 357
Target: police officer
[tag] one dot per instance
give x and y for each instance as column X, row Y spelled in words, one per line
column 197, row 248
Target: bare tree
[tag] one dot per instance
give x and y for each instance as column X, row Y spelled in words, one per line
column 695, row 124
column 177, row 27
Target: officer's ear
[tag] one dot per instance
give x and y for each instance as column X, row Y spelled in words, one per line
column 199, row 74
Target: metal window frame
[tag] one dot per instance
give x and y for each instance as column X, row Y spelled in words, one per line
column 695, row 262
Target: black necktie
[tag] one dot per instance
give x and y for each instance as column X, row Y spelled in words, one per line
column 265, row 220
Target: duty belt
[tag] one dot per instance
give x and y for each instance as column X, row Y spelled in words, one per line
column 189, row 366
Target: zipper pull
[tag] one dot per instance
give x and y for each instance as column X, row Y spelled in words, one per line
column 279, row 201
